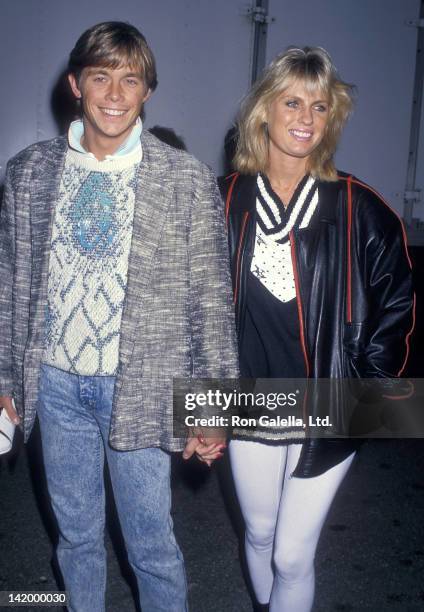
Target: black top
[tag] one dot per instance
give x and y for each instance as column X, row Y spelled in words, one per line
column 271, row 342
column 271, row 345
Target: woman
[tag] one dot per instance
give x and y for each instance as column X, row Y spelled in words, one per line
column 322, row 289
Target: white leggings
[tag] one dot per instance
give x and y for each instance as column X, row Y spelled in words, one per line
column 284, row 517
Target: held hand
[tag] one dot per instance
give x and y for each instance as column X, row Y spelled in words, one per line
column 6, row 403
column 210, row 449
column 206, row 449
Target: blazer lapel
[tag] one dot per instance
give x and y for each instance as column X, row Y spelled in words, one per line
column 153, row 195
column 44, row 190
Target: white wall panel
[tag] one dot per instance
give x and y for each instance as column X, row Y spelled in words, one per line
column 202, row 50
column 374, row 49
column 19, row 60
column 203, row 56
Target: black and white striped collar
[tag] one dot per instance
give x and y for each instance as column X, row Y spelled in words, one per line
column 277, row 221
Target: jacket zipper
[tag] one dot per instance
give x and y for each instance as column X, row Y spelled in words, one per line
column 237, row 283
column 299, row 303
column 229, row 195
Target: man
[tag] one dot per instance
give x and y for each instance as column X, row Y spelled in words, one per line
column 114, row 280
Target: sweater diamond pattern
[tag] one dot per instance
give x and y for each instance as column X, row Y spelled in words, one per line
column 88, row 268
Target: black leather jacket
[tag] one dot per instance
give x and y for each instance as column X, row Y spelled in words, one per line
column 353, row 288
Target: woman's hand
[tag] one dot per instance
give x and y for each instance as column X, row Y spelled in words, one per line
column 207, row 449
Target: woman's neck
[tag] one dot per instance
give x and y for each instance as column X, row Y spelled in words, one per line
column 285, row 175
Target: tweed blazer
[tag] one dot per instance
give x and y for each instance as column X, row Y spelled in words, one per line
column 178, row 318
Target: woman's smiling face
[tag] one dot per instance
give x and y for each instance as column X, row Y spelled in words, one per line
column 296, row 121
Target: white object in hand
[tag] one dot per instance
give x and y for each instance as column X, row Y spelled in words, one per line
column 7, row 430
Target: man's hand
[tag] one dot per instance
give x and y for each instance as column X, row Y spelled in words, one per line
column 206, row 449
column 6, row 403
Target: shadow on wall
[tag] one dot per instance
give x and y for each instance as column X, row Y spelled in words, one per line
column 169, row 137
column 64, row 106
column 230, row 146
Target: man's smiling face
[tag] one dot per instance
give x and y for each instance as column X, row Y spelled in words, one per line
column 112, row 99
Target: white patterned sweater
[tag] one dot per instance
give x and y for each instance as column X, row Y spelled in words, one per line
column 88, row 267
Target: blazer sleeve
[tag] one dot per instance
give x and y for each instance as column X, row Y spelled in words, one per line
column 7, row 244
column 388, row 277
column 214, row 348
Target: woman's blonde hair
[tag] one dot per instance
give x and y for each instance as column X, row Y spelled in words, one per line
column 314, row 67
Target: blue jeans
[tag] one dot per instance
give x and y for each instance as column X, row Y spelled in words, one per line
column 74, row 414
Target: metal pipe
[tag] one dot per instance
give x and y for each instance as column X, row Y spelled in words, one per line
column 411, row 194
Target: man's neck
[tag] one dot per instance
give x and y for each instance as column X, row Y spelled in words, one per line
column 100, row 146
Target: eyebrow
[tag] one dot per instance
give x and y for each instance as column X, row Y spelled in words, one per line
column 96, row 69
column 286, row 95
column 106, row 71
